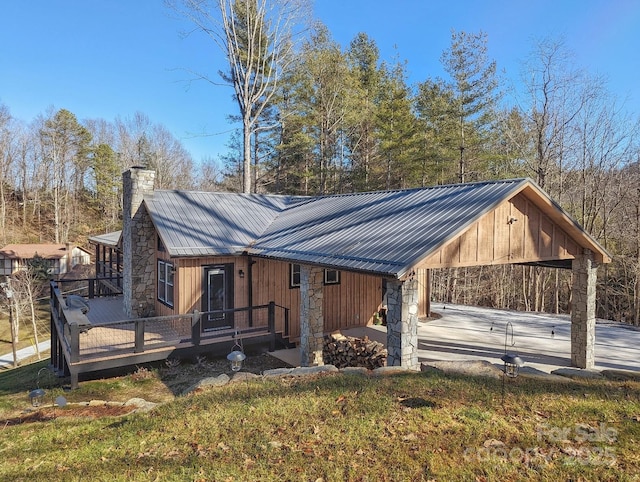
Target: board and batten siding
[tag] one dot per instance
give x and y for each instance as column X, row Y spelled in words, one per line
column 353, row 302
column 188, row 283
column 516, row 231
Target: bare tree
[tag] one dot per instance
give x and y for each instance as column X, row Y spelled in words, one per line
column 257, row 38
column 8, row 298
column 27, row 286
column 556, row 93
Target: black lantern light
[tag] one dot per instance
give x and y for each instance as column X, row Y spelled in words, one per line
column 36, row 397
column 237, row 356
column 512, row 364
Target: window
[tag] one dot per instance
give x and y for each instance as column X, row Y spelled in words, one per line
column 331, row 277
column 294, row 275
column 165, row 282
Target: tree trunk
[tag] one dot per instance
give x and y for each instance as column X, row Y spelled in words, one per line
column 246, row 149
column 33, row 321
column 14, row 336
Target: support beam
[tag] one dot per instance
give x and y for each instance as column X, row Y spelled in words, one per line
column 402, row 323
column 311, row 316
column 583, row 311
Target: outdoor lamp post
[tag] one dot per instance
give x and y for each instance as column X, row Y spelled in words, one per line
column 512, row 362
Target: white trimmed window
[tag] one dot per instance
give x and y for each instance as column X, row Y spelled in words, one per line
column 165, row 282
column 331, row 277
column 294, row 275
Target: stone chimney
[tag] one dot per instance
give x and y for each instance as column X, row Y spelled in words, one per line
column 138, row 244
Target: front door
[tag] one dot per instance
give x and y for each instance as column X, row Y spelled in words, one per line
column 218, row 298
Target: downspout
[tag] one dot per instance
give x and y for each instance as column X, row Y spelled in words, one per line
column 251, row 262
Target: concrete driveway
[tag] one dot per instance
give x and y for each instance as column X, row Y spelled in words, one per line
column 543, row 341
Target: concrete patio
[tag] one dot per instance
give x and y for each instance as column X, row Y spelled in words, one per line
column 542, row 340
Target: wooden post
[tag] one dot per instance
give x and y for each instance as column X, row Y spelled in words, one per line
column 139, row 342
column 74, row 331
column 271, row 316
column 196, row 328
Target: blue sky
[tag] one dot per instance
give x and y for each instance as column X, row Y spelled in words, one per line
column 111, row 58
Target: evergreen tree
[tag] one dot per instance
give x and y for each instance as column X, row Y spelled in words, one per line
column 475, row 88
column 107, row 181
column 363, row 56
column 397, row 128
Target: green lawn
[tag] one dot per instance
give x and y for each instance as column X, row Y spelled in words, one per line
column 333, row 428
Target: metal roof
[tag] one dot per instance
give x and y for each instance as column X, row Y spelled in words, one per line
column 109, row 239
column 212, row 223
column 385, row 232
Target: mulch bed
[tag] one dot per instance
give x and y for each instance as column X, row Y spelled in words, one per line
column 46, row 414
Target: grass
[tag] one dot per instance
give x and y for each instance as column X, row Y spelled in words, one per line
column 337, row 428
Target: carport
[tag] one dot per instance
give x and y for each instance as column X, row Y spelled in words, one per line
column 401, row 235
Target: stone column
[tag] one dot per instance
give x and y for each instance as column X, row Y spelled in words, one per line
column 402, row 323
column 311, row 316
column 583, row 311
column 138, row 244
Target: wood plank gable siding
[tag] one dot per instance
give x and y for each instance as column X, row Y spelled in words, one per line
column 353, row 302
column 492, row 240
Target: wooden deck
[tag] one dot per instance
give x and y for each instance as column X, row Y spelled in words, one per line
column 104, row 338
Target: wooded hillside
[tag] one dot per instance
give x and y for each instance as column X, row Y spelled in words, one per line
column 342, row 120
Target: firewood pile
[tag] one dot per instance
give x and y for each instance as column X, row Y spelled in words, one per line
column 347, row 351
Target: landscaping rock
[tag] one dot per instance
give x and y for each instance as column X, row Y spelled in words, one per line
column 621, row 375
column 426, row 368
column 141, row 404
column 531, row 372
column 477, row 368
column 300, row 371
column 304, row 371
column 218, row 381
column 277, row 372
column 577, row 373
column 244, row 377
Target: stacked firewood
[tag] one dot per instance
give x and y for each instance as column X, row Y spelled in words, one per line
column 347, row 351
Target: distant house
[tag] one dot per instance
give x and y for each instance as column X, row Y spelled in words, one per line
column 60, row 258
column 198, row 266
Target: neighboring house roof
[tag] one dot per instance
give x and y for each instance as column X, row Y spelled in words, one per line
column 385, row 232
column 28, row 251
column 109, row 239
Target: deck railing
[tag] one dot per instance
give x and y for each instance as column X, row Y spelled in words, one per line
column 77, row 340
column 92, row 287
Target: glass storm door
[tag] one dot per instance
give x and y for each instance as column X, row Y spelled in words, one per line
column 216, row 300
